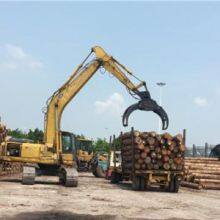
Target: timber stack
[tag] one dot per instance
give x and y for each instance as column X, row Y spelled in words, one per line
column 3, row 132
column 7, row 168
column 202, row 173
column 143, row 151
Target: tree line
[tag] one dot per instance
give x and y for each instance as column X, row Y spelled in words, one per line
column 36, row 135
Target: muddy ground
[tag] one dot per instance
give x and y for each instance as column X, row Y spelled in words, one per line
column 98, row 199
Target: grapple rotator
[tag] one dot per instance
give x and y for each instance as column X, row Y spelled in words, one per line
column 146, row 103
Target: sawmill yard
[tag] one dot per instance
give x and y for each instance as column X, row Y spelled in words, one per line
column 96, row 198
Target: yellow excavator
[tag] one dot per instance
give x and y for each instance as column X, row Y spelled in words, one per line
column 56, row 155
column 84, row 153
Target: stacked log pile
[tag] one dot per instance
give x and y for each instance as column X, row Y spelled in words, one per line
column 202, row 173
column 7, row 168
column 3, row 132
column 143, row 151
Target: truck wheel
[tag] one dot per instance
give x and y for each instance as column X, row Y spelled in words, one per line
column 100, row 172
column 176, row 184
column 94, row 173
column 136, row 183
column 114, row 178
column 142, row 183
column 171, row 185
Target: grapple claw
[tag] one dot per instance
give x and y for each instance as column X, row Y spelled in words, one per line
column 127, row 113
column 147, row 104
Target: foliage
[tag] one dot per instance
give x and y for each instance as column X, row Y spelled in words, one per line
column 80, row 136
column 35, row 135
column 116, row 144
column 100, row 145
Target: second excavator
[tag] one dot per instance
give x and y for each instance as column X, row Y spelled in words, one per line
column 56, row 155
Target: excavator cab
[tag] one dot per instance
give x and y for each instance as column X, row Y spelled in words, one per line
column 68, row 142
column 68, row 147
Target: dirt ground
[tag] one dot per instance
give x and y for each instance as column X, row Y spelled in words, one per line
column 98, row 199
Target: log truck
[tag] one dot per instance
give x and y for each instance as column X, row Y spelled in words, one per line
column 56, row 155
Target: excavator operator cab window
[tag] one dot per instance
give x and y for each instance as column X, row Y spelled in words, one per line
column 68, row 143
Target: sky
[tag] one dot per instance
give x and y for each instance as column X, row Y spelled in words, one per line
column 173, row 42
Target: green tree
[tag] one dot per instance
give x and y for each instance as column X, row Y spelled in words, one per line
column 101, row 145
column 17, row 133
column 117, row 144
column 35, row 135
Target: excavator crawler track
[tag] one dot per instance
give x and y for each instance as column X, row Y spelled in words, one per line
column 69, row 177
column 28, row 175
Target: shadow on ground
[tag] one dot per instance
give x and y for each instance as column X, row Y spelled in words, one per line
column 60, row 215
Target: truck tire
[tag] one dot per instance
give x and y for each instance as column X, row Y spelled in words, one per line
column 99, row 172
column 142, row 184
column 95, row 173
column 139, row 183
column 136, row 183
column 114, row 178
column 174, row 184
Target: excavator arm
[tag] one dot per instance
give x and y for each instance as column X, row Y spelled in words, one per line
column 58, row 101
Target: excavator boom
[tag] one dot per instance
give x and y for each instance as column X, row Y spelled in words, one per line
column 80, row 77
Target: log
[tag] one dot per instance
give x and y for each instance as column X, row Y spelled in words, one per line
column 202, row 168
column 202, row 158
column 173, row 166
column 194, row 162
column 202, row 165
column 191, row 185
column 167, row 136
column 206, row 181
column 150, row 140
column 146, row 150
column 150, row 166
column 156, row 166
column 152, row 134
column 137, row 156
column 127, row 135
column 140, row 161
column 166, row 166
column 164, row 152
column 179, row 138
column 207, row 176
column 137, row 166
column 143, row 155
column 212, row 186
column 152, row 147
column 165, row 158
column 153, row 155
column 182, row 148
column 144, row 135
column 211, row 172
column 147, row 160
